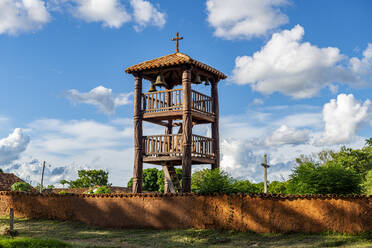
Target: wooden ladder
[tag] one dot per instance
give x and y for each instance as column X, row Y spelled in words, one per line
column 170, row 176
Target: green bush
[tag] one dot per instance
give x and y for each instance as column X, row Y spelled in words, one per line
column 276, row 187
column 368, row 183
column 21, row 186
column 102, row 190
column 211, row 181
column 245, row 186
column 62, row 192
column 333, row 178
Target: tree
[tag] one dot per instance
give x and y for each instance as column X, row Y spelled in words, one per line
column 63, row 182
column 276, row 187
column 244, row 186
column 211, row 181
column 369, row 142
column 21, row 186
column 150, row 180
column 368, row 183
column 1, row 171
column 311, row 178
column 89, row 178
column 359, row 160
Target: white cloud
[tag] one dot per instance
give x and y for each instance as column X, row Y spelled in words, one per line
column 101, row 97
column 288, row 135
column 146, row 14
column 12, row 146
column 77, row 144
column 258, row 101
column 22, row 15
column 110, row 12
column 343, row 116
column 287, row 65
column 31, row 170
column 245, row 18
column 362, row 68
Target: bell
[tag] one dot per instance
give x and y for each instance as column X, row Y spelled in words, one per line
column 152, row 88
column 160, row 81
column 197, row 79
column 207, row 82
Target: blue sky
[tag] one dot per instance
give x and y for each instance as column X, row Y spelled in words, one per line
column 299, row 79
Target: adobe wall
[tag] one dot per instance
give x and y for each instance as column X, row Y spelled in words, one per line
column 258, row 213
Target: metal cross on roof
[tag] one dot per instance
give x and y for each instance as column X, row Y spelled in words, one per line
column 177, row 39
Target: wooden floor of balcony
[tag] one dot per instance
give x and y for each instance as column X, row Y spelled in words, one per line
column 176, row 160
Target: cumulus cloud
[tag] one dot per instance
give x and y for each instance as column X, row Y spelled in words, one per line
column 146, row 14
column 101, row 97
column 12, row 146
column 31, row 170
column 288, row 135
column 22, row 15
column 77, row 144
column 110, row 12
column 245, row 18
column 342, row 117
column 362, row 68
column 290, row 66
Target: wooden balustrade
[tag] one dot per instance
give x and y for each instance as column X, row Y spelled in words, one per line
column 201, row 102
column 171, row 100
column 166, row 100
column 171, row 145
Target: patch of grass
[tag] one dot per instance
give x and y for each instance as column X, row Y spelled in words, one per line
column 79, row 235
column 32, row 243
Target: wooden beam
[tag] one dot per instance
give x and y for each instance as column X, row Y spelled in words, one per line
column 187, row 130
column 161, row 123
column 138, row 149
column 215, row 124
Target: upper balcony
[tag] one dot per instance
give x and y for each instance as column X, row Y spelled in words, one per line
column 167, row 105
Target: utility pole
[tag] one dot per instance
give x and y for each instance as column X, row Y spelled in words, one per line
column 265, row 165
column 42, row 178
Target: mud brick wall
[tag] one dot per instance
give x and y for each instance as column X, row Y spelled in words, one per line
column 258, row 213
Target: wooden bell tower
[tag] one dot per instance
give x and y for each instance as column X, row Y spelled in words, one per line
column 175, row 105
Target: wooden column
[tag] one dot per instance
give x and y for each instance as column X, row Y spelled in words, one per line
column 168, row 185
column 138, row 156
column 187, row 130
column 215, row 124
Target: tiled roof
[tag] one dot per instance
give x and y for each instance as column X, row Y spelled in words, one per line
column 7, row 180
column 170, row 60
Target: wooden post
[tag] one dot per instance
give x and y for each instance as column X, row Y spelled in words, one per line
column 11, row 224
column 187, row 131
column 138, row 156
column 265, row 165
column 168, row 185
column 215, row 124
column 42, row 178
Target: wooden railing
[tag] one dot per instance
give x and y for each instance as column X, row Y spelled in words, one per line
column 166, row 100
column 201, row 102
column 171, row 145
column 171, row 100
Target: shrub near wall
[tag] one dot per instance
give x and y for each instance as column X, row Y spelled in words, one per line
column 259, row 213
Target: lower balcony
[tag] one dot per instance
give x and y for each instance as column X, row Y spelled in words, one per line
column 161, row 149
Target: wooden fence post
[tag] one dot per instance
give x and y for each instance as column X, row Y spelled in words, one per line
column 11, row 224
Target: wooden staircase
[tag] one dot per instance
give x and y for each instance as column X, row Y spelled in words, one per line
column 171, row 179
